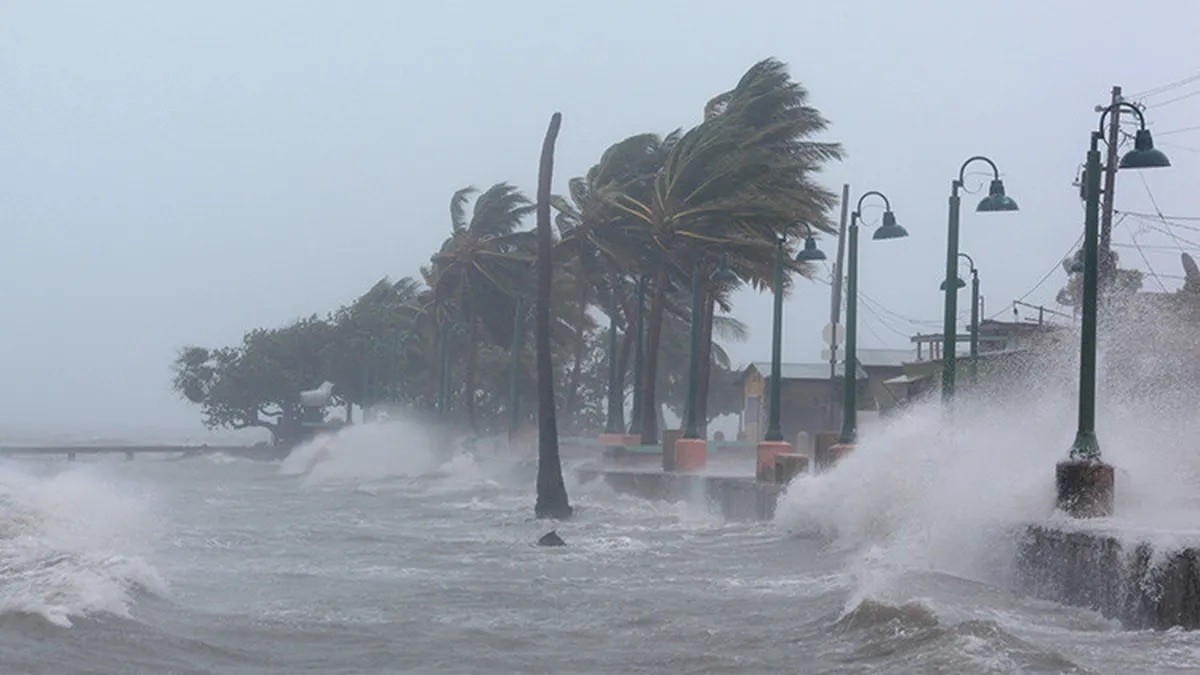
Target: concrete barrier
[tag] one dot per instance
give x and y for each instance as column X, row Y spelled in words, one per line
column 735, row 498
column 1131, row 583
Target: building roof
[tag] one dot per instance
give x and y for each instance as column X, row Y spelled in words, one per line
column 885, row 358
column 801, row 371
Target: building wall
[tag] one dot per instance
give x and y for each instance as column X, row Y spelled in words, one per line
column 753, row 407
column 805, row 404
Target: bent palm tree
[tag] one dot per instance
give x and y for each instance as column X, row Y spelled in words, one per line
column 552, row 499
column 480, row 268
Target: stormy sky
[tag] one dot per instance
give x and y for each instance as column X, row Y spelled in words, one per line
column 177, row 173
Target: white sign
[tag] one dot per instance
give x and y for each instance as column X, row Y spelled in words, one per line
column 833, row 335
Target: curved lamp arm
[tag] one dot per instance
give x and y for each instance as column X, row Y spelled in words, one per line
column 962, row 171
column 1117, row 106
column 970, row 260
column 886, row 204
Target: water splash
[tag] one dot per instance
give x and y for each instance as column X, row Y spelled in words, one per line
column 950, row 489
column 72, row 545
column 371, row 451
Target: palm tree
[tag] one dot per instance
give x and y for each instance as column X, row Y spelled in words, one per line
column 733, row 184
column 590, row 245
column 552, row 499
column 480, row 267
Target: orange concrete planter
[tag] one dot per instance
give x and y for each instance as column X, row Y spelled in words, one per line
column 611, row 440
column 691, row 454
column 837, row 451
column 767, row 450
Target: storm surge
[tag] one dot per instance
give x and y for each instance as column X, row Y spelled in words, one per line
column 72, row 545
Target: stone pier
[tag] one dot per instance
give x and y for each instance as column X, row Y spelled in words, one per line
column 1130, row 582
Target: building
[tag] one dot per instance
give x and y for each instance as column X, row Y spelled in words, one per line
column 1002, row 345
column 810, row 402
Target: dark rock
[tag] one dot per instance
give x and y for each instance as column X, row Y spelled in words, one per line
column 551, row 539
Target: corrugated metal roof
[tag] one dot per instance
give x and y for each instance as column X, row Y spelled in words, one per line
column 802, row 371
column 885, row 358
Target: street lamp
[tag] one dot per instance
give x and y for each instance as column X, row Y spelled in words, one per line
column 514, row 412
column 959, row 283
column 1085, row 483
column 996, row 200
column 448, row 329
column 690, row 453
column 810, row 253
column 888, row 230
column 723, row 274
column 614, row 421
column 635, row 422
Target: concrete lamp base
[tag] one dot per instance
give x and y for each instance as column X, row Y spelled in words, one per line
column 836, row 452
column 1085, row 488
column 691, row 454
column 788, row 466
column 767, row 450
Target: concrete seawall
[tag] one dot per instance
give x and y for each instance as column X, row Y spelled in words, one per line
column 739, row 498
column 1133, row 583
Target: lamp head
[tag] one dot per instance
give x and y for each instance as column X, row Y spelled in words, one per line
column 723, row 274
column 958, row 283
column 1144, row 155
column 810, row 253
column 889, row 229
column 996, row 199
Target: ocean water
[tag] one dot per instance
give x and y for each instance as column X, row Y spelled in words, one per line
column 371, row 553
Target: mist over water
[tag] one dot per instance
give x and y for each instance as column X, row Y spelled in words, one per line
column 387, row 548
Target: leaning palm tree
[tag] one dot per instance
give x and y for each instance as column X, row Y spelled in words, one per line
column 597, row 261
column 732, row 184
column 552, row 499
column 476, row 275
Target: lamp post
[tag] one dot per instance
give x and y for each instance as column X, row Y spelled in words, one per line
column 691, row 450
column 514, row 402
column 1084, row 482
column 614, row 422
column 958, row 283
column 888, row 230
column 635, row 422
column 996, row 200
column 448, row 330
column 773, row 442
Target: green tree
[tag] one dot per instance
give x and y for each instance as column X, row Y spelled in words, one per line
column 476, row 274
column 257, row 384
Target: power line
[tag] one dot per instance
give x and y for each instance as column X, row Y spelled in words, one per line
column 1153, row 247
column 1166, row 87
column 1176, row 131
column 1148, row 266
column 1157, row 216
column 1154, row 203
column 1174, row 100
column 1046, row 276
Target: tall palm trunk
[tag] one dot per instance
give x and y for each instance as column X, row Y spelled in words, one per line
column 472, row 358
column 552, row 499
column 654, row 326
column 572, row 398
column 626, row 350
column 705, row 363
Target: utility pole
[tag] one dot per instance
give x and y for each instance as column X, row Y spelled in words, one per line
column 835, row 304
column 1107, row 265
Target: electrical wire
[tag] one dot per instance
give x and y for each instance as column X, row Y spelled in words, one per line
column 1177, row 131
column 1174, row 100
column 1166, row 87
column 1156, row 216
column 1148, row 265
column 1057, row 265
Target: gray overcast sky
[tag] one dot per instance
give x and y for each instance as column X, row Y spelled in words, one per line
column 176, row 173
